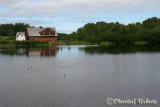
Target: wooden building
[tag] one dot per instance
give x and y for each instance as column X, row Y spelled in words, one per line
column 42, row 34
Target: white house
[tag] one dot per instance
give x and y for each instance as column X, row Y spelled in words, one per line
column 20, row 36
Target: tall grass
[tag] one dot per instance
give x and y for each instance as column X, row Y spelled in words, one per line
column 79, row 43
column 106, row 43
column 31, row 43
column 140, row 43
column 56, row 43
column 23, row 43
column 4, row 37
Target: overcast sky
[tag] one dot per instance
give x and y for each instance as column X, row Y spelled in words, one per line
column 68, row 15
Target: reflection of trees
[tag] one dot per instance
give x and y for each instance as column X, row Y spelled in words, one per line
column 13, row 51
column 52, row 51
column 119, row 49
column 69, row 48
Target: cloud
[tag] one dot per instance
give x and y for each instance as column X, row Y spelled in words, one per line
column 75, row 13
column 87, row 19
column 53, row 8
column 28, row 21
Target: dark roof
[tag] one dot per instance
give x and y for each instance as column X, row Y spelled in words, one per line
column 19, row 33
column 32, row 31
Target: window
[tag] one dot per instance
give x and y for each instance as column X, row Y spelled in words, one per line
column 46, row 33
column 52, row 33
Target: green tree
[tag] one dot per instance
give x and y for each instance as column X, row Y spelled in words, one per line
column 11, row 36
column 117, row 33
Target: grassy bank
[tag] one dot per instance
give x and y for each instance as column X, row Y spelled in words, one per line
column 22, row 43
column 79, row 43
column 103, row 43
column 88, row 43
column 5, row 37
column 56, row 43
column 28, row 43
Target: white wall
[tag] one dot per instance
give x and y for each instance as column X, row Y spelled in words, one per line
column 21, row 37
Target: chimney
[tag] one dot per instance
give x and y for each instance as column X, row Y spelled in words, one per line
column 40, row 27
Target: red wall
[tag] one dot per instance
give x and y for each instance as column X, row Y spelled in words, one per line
column 46, row 38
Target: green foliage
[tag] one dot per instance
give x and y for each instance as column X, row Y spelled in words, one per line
column 79, row 43
column 7, row 29
column 56, row 43
column 11, row 36
column 63, row 36
column 150, row 23
column 31, row 43
column 147, row 31
column 5, row 38
column 96, row 33
column 3, row 42
column 23, row 43
column 20, row 27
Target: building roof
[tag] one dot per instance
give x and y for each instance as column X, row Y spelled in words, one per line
column 32, row 31
column 20, row 33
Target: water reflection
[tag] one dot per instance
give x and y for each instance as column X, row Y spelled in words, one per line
column 79, row 76
column 77, row 50
column 119, row 49
column 52, row 51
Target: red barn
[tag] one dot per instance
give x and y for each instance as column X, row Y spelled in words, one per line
column 42, row 34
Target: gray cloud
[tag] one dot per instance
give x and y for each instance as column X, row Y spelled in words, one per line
column 87, row 19
column 35, row 22
column 52, row 8
column 44, row 12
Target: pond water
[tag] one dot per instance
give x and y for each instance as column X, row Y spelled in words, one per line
column 79, row 76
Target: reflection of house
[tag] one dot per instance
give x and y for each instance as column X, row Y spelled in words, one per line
column 20, row 36
column 42, row 52
column 21, row 51
column 42, row 34
column 49, row 52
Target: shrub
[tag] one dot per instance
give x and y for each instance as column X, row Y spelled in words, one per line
column 3, row 42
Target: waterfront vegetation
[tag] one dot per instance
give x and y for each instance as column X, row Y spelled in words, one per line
column 96, row 33
column 100, row 33
column 28, row 43
column 13, row 43
column 11, row 29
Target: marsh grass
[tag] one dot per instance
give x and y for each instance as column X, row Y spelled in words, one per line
column 56, row 43
column 4, row 37
column 79, row 43
column 27, row 43
column 140, row 43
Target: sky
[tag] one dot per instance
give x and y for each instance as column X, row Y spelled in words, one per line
column 69, row 15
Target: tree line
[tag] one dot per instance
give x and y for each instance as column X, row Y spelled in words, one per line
column 148, row 31
column 12, row 29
